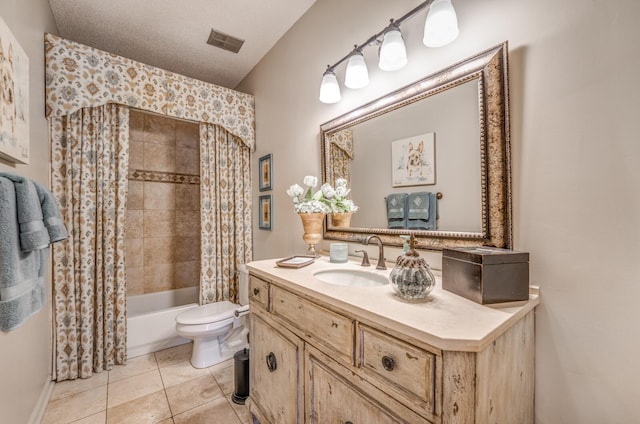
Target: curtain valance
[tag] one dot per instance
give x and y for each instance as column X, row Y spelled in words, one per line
column 344, row 140
column 79, row 76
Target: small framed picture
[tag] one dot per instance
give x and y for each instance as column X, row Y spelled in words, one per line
column 413, row 161
column 264, row 218
column 265, row 172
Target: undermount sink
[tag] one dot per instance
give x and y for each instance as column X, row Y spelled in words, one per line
column 351, row 277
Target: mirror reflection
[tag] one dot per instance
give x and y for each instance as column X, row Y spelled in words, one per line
column 431, row 159
column 428, row 147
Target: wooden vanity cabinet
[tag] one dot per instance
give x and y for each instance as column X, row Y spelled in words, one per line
column 313, row 363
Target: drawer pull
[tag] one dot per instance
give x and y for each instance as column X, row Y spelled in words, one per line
column 272, row 363
column 256, row 291
column 388, row 363
column 348, row 422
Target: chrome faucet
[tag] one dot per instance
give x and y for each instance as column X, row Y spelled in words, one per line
column 381, row 264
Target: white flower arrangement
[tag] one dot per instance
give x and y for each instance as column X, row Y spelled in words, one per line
column 325, row 200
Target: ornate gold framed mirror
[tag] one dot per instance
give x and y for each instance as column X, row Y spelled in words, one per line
column 458, row 121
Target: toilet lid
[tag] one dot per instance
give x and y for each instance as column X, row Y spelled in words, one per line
column 205, row 314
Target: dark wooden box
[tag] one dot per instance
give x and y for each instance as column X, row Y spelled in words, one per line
column 486, row 274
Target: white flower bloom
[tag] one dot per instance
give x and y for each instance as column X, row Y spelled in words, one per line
column 341, row 182
column 310, row 181
column 341, row 192
column 295, row 191
column 328, row 191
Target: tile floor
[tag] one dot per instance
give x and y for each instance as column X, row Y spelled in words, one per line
column 161, row 387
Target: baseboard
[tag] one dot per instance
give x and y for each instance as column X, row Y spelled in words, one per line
column 43, row 400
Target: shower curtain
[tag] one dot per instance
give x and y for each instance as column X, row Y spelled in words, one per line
column 225, row 202
column 90, row 155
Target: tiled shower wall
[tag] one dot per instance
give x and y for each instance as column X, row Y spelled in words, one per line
column 163, row 207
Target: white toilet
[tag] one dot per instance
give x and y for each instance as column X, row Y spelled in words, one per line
column 219, row 329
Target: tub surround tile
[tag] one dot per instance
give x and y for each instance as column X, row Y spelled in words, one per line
column 159, row 129
column 187, row 274
column 135, row 224
column 76, row 406
column 135, row 280
column 158, row 157
column 218, row 408
column 134, row 387
column 188, row 135
column 136, row 125
column 173, row 355
column 158, row 277
column 187, row 161
column 188, row 395
column 187, row 249
column 188, row 197
column 71, row 387
column 136, row 366
column 136, row 154
column 135, row 195
column 159, row 196
column 149, row 408
column 159, row 224
column 188, row 223
column 180, row 372
column 134, row 256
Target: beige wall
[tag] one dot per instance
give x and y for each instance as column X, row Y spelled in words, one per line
column 574, row 106
column 163, row 207
column 25, row 353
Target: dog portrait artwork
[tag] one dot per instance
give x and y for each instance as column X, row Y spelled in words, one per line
column 14, row 90
column 413, row 160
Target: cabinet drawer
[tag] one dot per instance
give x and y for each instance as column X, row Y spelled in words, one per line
column 405, row 369
column 319, row 326
column 259, row 291
column 331, row 400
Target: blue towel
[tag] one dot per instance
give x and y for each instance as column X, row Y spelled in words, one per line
column 418, row 205
column 51, row 214
column 33, row 234
column 428, row 218
column 397, row 210
column 22, row 274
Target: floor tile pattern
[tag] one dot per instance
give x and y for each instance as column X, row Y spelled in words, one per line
column 161, row 387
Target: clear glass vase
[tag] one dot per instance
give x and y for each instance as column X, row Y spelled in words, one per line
column 411, row 277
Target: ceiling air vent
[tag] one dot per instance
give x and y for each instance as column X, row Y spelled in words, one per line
column 225, row 41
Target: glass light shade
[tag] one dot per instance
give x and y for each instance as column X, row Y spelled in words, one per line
column 393, row 54
column 441, row 27
column 357, row 75
column 329, row 89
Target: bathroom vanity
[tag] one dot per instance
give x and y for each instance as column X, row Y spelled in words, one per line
column 328, row 353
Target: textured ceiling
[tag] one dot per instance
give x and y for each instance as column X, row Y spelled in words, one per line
column 172, row 34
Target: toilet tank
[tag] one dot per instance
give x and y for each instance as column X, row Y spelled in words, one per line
column 243, row 285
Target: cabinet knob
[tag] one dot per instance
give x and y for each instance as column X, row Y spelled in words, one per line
column 348, row 422
column 256, row 291
column 388, row 363
column 272, row 362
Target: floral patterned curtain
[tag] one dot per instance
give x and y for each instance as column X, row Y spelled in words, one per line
column 225, row 202
column 341, row 152
column 90, row 155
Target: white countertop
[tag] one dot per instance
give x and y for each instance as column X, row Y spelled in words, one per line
column 444, row 320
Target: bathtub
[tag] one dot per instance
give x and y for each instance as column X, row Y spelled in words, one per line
column 151, row 319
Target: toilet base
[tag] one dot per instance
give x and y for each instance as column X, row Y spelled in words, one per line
column 212, row 351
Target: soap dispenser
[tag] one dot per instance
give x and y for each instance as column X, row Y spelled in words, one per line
column 411, row 277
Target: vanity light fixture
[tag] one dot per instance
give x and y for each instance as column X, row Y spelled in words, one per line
column 441, row 28
column 357, row 74
column 329, row 89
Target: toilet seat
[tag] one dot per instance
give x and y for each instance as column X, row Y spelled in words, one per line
column 209, row 313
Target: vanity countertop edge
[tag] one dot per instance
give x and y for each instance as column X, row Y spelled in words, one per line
column 445, row 320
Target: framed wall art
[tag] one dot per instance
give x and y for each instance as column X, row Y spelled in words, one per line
column 14, row 98
column 264, row 218
column 413, row 161
column 265, row 167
